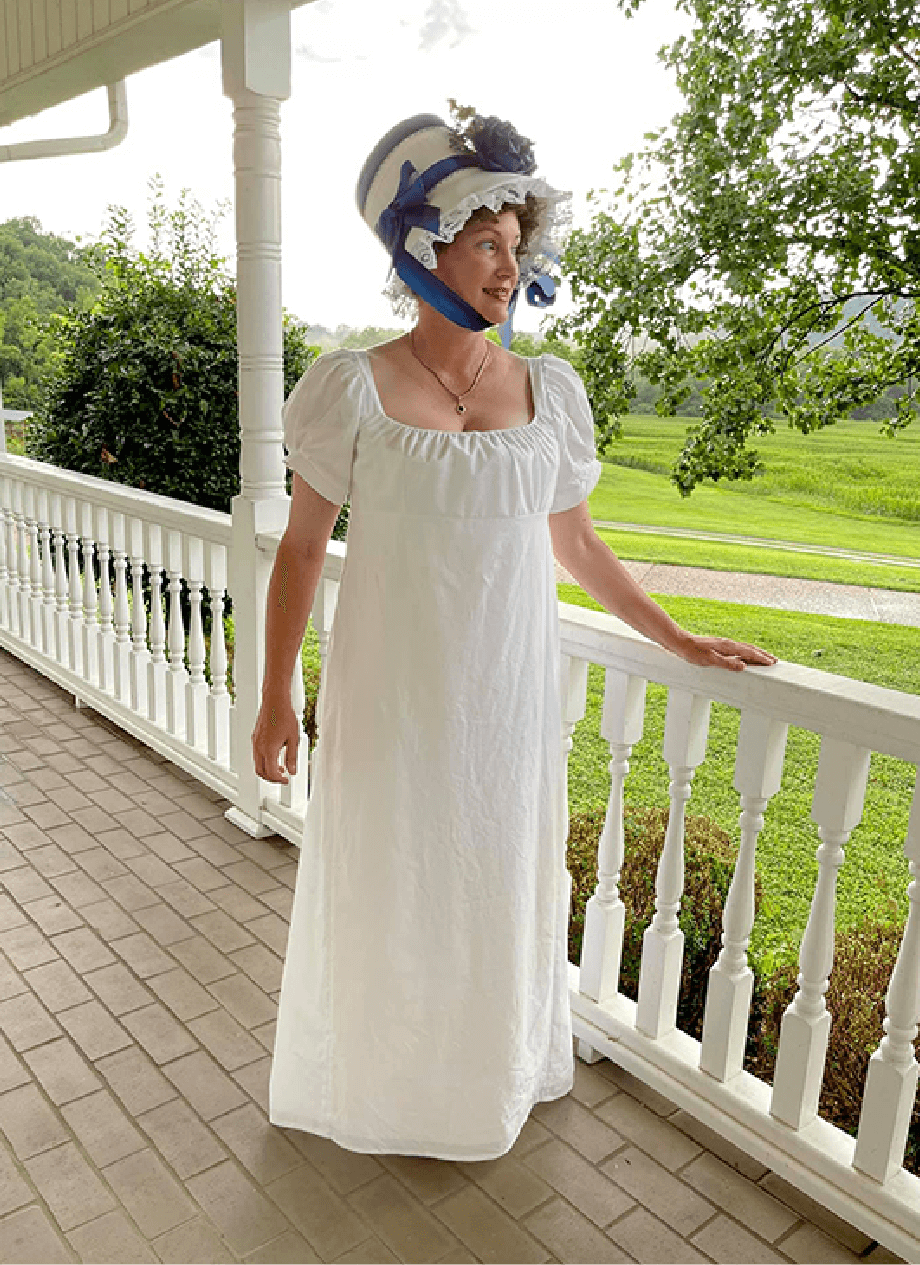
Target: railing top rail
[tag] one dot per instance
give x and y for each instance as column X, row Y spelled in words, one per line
column 870, row 716
column 194, row 520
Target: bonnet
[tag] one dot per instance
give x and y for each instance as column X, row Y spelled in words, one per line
column 421, row 183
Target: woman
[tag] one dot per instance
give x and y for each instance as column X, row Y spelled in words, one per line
column 424, row 1005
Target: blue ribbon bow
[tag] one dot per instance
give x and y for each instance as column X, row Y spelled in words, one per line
column 409, row 209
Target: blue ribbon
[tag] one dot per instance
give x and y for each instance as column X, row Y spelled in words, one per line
column 409, row 209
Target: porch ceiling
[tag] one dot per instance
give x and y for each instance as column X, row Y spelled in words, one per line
column 54, row 50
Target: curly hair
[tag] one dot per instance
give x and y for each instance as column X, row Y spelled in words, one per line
column 529, row 217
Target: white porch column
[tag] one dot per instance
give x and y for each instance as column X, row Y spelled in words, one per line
column 256, row 59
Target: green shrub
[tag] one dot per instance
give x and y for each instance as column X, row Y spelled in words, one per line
column 709, row 858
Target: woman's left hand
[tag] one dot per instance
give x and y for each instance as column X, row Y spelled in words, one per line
column 722, row 652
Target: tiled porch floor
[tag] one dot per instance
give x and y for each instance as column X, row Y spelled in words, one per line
column 141, row 939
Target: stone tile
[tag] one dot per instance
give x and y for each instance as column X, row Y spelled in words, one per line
column 68, row 798
column 202, row 960
column 150, row 1194
column 281, row 900
column 29, row 1123
column 25, row 946
column 227, row 1040
column 29, row 1236
column 51, row 861
column 269, row 853
column 119, row 843
column 822, row 1217
column 227, row 831
column 736, row 1195
column 514, row 1187
column 202, row 1083
column 183, row 825
column 72, row 838
column 52, row 915
column 459, row 1255
column 168, row 848
column 136, row 1080
column 157, row 1032
column 654, row 1187
column 265, row 1035
column 719, row 1146
column 69, row 1186
column 244, row 1000
column 726, row 1241
column 46, row 815
column 590, row 1088
column 151, row 870
column 110, row 1238
column 648, row 1131
column 130, row 892
column 272, row 931
column 343, row 1170
column 808, row 1245
column 184, row 996
column 325, row 1219
column 10, row 859
column 61, row 1071
column 10, row 914
column 223, row 932
column 137, row 821
column 261, row 965
column 239, row 1210
column 489, row 1233
column 215, row 850
column 118, row 990
column 185, row 899
column 293, row 1248
column 181, row 1139
column 111, row 800
column 637, row 1089
column 26, row 835
column 83, row 950
column 57, row 985
column 25, row 1022
column 14, row 1192
column 252, row 878
column 77, row 889
column 102, row 1128
column 646, row 1238
column 237, row 903
column 155, row 802
column 94, row 1030
column 11, row 982
column 109, row 919
column 579, row 1182
column 25, row 884
column 258, row 1145
column 144, row 957
column 194, row 1241
column 570, row 1236
column 572, row 1122
column 254, row 1078
column 202, row 874
column 100, row 865
column 92, row 819
column 163, row 924
column 12, row 1071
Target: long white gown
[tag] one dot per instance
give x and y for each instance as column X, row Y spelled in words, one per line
column 424, row 1004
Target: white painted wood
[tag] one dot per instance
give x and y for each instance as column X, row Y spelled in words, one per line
column 106, row 643
column 157, row 666
column 22, row 556
column 758, row 772
column 90, row 627
column 75, row 589
column 891, row 1085
column 685, row 734
column 35, row 582
column 840, row 788
column 219, row 698
column 4, row 570
column 122, row 614
column 178, row 676
column 140, row 655
column 622, row 719
column 49, row 643
column 196, row 695
column 61, row 619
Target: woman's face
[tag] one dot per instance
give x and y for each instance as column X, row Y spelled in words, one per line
column 481, row 265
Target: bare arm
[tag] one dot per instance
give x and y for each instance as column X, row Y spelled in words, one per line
column 598, row 570
column 295, row 575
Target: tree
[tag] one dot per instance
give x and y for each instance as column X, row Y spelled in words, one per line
column 40, row 274
column 767, row 242
column 144, row 386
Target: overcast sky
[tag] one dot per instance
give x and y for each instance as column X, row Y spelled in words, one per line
column 580, row 80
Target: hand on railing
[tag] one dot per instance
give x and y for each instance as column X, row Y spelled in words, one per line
column 722, row 652
column 276, row 730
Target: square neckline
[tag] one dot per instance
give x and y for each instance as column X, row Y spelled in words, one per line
column 535, row 388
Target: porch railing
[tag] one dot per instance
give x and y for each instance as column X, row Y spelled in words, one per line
column 92, row 577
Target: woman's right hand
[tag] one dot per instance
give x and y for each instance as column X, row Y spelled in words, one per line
column 276, row 730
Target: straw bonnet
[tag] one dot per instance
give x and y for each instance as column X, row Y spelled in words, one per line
column 422, row 182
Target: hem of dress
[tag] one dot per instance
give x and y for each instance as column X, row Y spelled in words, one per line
column 424, row 1150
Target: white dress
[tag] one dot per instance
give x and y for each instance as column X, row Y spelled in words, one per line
column 424, row 1004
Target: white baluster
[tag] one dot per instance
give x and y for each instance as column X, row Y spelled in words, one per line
column 219, row 698
column 196, row 692
column 685, row 733
column 140, row 655
column 75, row 625
column 602, row 947
column 90, row 599
column 49, row 637
column 22, row 553
column 35, row 568
column 12, row 559
column 4, row 568
column 106, row 640
column 891, row 1085
column 175, row 685
column 840, row 789
column 122, row 648
column 157, row 666
column 758, row 772
column 573, row 699
column 61, row 617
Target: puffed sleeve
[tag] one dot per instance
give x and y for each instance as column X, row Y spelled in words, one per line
column 579, row 468
column 320, row 418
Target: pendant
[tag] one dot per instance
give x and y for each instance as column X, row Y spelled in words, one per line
column 461, row 408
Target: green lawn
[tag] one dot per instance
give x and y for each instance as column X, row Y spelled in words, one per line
column 873, row 881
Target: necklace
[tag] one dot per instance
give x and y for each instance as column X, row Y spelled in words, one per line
column 461, row 407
